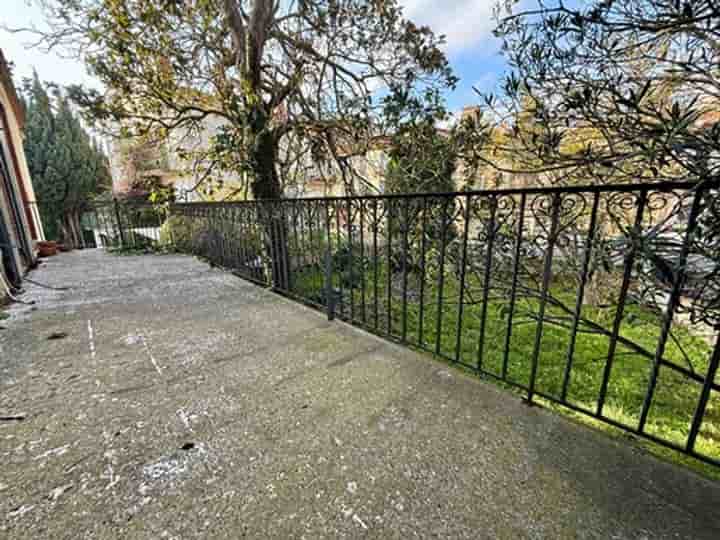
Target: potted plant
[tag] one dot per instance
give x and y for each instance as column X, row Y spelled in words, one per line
column 47, row 248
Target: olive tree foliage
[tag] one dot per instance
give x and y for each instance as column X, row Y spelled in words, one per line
column 609, row 92
column 321, row 74
column 613, row 92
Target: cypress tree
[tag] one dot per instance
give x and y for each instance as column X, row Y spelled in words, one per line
column 67, row 167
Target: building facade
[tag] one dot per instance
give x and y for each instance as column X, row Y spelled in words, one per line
column 20, row 224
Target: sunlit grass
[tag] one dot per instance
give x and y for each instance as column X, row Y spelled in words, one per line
column 675, row 397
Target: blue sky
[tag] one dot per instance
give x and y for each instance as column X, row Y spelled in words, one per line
column 468, row 24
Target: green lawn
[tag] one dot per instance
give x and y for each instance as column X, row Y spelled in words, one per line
column 675, row 397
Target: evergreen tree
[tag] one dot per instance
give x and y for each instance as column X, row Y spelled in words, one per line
column 67, row 167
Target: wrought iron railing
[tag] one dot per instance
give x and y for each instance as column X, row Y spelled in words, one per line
column 604, row 299
column 123, row 225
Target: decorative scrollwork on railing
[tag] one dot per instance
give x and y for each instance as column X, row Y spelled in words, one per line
column 569, row 293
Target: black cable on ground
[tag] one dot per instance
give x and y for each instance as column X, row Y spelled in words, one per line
column 47, row 286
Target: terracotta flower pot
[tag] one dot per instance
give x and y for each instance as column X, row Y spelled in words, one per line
column 47, row 249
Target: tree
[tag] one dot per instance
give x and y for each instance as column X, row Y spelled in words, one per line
column 615, row 92
column 321, row 70
column 421, row 159
column 611, row 91
column 67, row 167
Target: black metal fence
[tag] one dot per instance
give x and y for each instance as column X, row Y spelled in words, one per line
column 119, row 225
column 603, row 300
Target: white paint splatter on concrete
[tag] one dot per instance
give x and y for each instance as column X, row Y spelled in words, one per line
column 164, row 468
column 54, row 452
column 132, row 339
column 58, row 491
column 24, row 509
column 359, row 521
column 91, row 338
column 186, row 418
column 150, row 355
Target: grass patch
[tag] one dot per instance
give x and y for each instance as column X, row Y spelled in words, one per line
column 141, row 250
column 418, row 322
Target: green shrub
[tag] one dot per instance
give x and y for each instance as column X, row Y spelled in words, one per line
column 177, row 231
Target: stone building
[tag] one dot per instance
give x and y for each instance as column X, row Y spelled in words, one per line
column 20, row 224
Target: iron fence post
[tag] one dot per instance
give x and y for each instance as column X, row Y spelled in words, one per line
column 491, row 230
column 627, row 274
column 580, row 295
column 547, row 274
column 119, row 223
column 329, row 292
column 704, row 397
column 513, row 287
column 678, row 282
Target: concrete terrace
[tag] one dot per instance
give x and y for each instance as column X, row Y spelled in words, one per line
column 181, row 402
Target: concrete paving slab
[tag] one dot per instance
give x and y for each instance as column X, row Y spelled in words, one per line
column 186, row 403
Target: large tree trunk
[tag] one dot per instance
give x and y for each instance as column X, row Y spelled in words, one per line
column 266, row 188
column 70, row 230
column 65, row 232
column 72, row 222
column 78, row 230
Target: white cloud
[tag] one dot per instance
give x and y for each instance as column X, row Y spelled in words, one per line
column 465, row 23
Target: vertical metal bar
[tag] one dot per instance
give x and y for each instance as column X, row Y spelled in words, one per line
column 245, row 253
column 351, row 276
column 629, row 261
column 423, row 250
column 284, row 254
column 491, row 230
column 239, row 220
column 248, row 235
column 311, row 236
column 704, row 397
column 257, row 227
column 513, row 286
column 240, row 238
column 362, row 259
column 272, row 244
column 233, row 237
column 341, row 299
column 375, row 263
column 220, row 213
column 250, row 222
column 303, row 236
column 131, row 236
column 160, row 220
column 315, row 235
column 441, row 275
column 102, row 224
column 296, row 239
column 463, row 263
column 389, row 212
column 226, row 236
column 406, row 225
column 580, row 294
column 330, row 292
column 119, row 222
column 232, row 232
column 678, row 282
column 547, row 271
